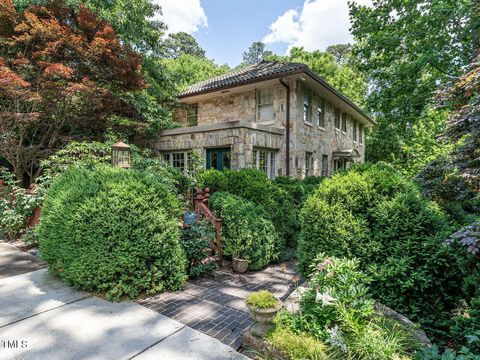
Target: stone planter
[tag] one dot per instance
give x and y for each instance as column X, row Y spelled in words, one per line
column 239, row 265
column 264, row 317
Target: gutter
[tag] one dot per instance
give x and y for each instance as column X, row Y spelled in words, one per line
column 302, row 70
column 287, row 132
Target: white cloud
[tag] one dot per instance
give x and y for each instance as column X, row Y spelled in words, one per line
column 319, row 24
column 183, row 15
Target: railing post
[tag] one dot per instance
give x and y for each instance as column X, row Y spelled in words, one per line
column 197, row 199
column 206, row 197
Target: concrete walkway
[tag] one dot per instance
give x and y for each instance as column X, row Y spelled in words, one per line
column 13, row 261
column 41, row 318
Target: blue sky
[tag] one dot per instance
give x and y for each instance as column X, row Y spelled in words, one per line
column 233, row 25
column 226, row 28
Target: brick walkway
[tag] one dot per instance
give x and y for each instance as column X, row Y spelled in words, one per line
column 216, row 306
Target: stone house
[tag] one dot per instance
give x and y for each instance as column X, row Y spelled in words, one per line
column 278, row 117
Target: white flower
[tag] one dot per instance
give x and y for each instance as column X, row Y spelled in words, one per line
column 325, row 298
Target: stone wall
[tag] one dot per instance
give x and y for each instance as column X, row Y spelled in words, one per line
column 232, row 109
column 310, row 138
column 235, row 106
column 240, row 137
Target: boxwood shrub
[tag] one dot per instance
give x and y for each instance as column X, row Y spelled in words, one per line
column 247, row 230
column 372, row 213
column 112, row 231
column 253, row 185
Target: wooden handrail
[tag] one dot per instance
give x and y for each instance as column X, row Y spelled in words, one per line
column 200, row 204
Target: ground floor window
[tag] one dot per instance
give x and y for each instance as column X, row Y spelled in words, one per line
column 265, row 160
column 177, row 160
column 308, row 164
column 339, row 164
column 324, row 165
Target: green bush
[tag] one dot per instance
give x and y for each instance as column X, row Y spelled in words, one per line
column 372, row 213
column 293, row 187
column 297, row 346
column 16, row 205
column 89, row 154
column 262, row 299
column 213, row 179
column 469, row 352
column 337, row 310
column 196, row 241
column 113, row 231
column 247, row 230
column 253, row 185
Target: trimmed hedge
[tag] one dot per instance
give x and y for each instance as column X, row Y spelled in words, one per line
column 247, row 230
column 371, row 212
column 113, row 231
column 254, row 185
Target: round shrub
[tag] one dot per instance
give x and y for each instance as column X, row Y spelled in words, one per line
column 371, row 212
column 248, row 233
column 254, row 185
column 213, row 179
column 113, row 231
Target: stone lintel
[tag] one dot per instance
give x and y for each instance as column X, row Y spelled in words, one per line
column 223, row 126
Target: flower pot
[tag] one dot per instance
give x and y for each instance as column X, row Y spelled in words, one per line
column 239, row 265
column 264, row 317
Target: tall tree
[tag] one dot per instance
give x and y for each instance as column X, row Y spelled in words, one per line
column 137, row 24
column 256, row 53
column 182, row 43
column 344, row 78
column 188, row 69
column 407, row 50
column 341, row 52
column 64, row 75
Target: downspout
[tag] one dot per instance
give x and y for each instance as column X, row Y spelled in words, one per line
column 287, row 133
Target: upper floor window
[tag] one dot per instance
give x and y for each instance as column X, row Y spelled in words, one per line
column 308, row 164
column 192, row 114
column 307, row 102
column 264, row 160
column 344, row 122
column 355, row 125
column 337, row 118
column 265, row 105
column 321, row 112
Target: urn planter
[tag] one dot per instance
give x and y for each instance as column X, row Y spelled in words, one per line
column 239, row 265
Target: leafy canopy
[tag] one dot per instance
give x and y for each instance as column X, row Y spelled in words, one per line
column 64, row 74
column 407, row 49
column 343, row 77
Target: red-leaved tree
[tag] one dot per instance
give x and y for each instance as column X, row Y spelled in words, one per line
column 64, row 75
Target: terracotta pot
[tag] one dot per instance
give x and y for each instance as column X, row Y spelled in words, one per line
column 239, row 265
column 264, row 317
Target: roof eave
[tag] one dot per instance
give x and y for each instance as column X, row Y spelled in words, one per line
column 241, row 83
column 280, row 75
column 340, row 95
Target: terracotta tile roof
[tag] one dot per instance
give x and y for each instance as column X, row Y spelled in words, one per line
column 252, row 73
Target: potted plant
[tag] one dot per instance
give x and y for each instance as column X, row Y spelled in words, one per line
column 239, row 265
column 263, row 306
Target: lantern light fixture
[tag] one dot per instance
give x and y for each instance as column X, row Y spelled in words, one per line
column 121, row 155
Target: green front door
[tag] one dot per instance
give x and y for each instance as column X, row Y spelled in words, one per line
column 218, row 158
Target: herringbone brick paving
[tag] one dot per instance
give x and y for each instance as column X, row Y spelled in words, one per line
column 215, row 306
